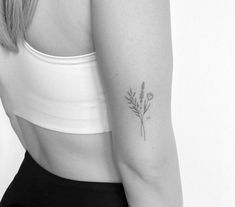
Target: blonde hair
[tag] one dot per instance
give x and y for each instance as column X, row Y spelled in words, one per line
column 15, row 17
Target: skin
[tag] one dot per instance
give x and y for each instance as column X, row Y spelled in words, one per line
column 140, row 107
column 64, row 154
column 132, row 40
column 133, row 43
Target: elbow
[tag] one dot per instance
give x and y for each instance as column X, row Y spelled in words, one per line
column 162, row 179
column 151, row 165
column 148, row 170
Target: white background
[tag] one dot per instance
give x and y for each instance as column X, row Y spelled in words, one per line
column 203, row 100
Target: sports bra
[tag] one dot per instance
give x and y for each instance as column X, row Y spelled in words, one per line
column 60, row 93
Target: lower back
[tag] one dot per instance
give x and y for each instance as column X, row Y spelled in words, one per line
column 74, row 156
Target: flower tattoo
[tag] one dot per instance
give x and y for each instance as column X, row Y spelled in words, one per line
column 140, row 107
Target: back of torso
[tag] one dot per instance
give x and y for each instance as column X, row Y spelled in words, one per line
column 64, row 29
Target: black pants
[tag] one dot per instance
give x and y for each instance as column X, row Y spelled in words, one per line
column 34, row 186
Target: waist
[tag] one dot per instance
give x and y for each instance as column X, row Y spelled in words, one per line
column 85, row 157
column 38, row 169
column 79, row 167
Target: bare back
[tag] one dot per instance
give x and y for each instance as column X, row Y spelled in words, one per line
column 63, row 29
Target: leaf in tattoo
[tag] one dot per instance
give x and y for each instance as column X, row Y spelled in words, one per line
column 139, row 107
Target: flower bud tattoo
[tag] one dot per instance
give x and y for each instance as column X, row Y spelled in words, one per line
column 141, row 106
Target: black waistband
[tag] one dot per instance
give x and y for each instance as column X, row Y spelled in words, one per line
column 32, row 169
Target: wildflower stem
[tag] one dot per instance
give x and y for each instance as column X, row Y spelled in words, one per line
column 142, row 128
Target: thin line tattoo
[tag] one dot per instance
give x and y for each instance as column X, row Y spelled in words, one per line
column 141, row 106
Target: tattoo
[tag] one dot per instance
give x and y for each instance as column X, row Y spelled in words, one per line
column 140, row 107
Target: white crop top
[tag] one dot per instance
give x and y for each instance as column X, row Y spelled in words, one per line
column 59, row 93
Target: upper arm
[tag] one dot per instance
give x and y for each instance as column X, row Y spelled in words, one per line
column 133, row 47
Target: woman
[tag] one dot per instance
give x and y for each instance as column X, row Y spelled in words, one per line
column 87, row 88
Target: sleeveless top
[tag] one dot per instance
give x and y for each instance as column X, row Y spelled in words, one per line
column 64, row 94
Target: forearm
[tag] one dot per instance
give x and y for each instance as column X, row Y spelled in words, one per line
column 159, row 189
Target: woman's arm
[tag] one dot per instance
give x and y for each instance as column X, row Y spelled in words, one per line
column 134, row 53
